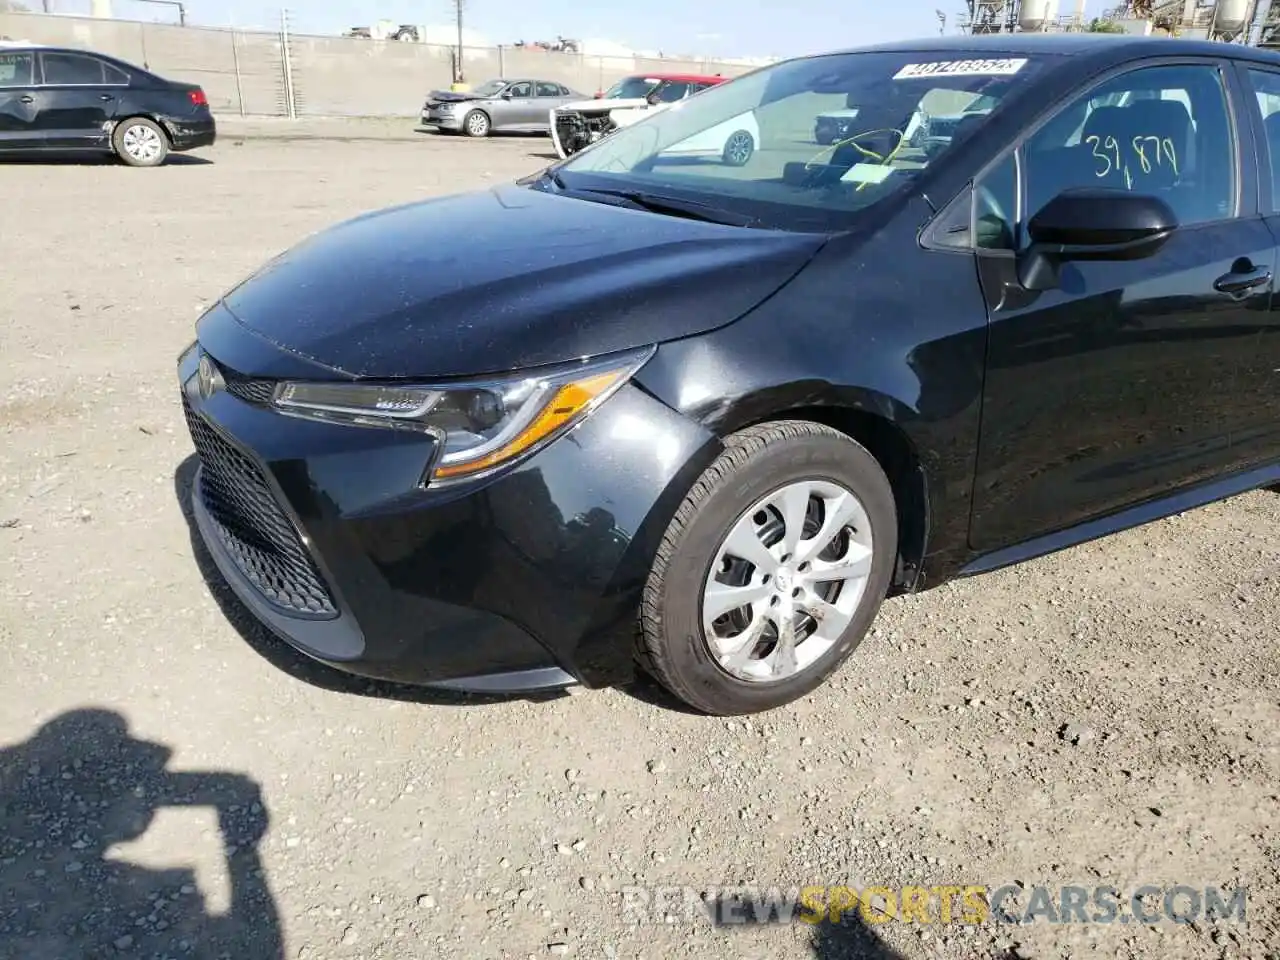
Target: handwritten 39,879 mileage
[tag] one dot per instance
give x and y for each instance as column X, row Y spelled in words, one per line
column 1150, row 151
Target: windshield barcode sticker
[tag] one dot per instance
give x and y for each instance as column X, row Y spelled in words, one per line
column 1004, row 67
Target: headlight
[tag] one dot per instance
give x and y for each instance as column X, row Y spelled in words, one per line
column 481, row 425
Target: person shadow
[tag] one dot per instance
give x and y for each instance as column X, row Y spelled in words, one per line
column 848, row 938
column 81, row 785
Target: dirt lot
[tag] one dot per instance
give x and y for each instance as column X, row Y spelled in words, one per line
column 1106, row 717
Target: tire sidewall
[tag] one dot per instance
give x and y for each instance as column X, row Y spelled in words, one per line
column 466, row 124
column 820, row 457
column 728, row 156
column 117, row 138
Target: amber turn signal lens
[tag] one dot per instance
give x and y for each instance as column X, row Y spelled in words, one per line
column 569, row 402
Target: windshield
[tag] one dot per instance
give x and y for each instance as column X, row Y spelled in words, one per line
column 489, row 88
column 631, row 88
column 802, row 144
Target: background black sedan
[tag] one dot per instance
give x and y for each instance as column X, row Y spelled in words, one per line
column 59, row 100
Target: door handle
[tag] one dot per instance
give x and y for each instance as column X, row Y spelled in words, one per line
column 106, row 96
column 26, row 99
column 1239, row 282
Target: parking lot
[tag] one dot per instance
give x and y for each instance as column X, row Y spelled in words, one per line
column 1104, row 717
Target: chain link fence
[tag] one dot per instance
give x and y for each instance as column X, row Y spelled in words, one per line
column 253, row 73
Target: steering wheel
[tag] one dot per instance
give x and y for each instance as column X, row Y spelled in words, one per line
column 865, row 151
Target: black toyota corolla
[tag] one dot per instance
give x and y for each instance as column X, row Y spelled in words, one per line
column 645, row 409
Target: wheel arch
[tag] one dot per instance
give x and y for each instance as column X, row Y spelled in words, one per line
column 144, row 115
column 477, row 109
column 878, row 427
column 155, row 118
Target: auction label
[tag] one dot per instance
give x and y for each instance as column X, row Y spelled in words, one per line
column 1004, row 67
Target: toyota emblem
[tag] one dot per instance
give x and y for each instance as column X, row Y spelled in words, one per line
column 208, row 376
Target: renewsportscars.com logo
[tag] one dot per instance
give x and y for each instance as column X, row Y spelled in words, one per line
column 942, row 904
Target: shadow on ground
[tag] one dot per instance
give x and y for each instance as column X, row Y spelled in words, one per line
column 284, row 657
column 94, row 159
column 82, row 784
column 850, row 939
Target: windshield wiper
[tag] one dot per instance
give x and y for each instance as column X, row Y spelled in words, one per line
column 673, row 206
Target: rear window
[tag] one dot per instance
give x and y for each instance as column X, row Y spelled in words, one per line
column 16, row 69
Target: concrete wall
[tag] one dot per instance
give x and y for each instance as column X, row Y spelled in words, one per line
column 244, row 72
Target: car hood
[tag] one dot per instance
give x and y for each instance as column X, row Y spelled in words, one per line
column 450, row 96
column 604, row 106
column 507, row 278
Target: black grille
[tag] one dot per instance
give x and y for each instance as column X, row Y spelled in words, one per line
column 252, row 389
column 569, row 122
column 251, row 526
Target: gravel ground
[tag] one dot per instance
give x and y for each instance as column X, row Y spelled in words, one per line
column 173, row 783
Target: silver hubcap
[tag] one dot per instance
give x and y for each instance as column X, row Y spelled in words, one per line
column 477, row 124
column 141, row 143
column 739, row 148
column 787, row 580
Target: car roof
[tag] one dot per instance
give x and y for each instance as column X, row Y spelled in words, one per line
column 1113, row 46
column 11, row 45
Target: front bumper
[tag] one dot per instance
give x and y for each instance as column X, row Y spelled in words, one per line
column 444, row 121
column 529, row 580
column 555, row 135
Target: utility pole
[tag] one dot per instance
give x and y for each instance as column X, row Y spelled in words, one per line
column 459, row 77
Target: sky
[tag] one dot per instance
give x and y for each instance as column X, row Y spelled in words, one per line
column 708, row 27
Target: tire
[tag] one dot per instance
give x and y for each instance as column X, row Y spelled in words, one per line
column 140, row 142
column 739, row 148
column 476, row 124
column 673, row 644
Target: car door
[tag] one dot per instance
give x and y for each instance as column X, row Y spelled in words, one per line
column 549, row 96
column 18, row 129
column 1118, row 384
column 1258, row 391
column 77, row 99
column 519, row 106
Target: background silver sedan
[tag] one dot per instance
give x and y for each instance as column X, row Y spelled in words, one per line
column 518, row 106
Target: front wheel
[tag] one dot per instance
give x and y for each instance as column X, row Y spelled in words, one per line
column 140, row 142
column 739, row 148
column 772, row 570
column 476, row 124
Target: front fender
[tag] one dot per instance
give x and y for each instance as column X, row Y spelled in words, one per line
column 850, row 342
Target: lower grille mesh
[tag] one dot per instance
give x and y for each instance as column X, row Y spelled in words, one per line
column 251, row 526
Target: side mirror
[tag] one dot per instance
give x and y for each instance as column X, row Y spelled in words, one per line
column 506, row 94
column 1092, row 223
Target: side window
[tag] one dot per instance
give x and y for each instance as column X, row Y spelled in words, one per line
column 548, row 89
column 1266, row 86
column 522, row 89
column 115, row 77
column 1158, row 130
column 16, row 70
column 995, row 208
column 71, row 69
